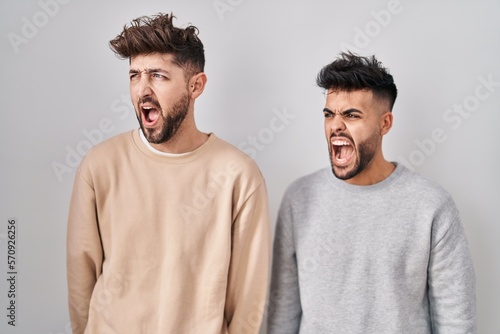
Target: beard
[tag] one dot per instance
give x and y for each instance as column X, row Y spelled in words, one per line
column 170, row 123
column 365, row 152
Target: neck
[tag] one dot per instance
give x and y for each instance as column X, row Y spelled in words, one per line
column 377, row 171
column 182, row 142
column 187, row 138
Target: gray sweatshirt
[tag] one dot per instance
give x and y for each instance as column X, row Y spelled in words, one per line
column 386, row 258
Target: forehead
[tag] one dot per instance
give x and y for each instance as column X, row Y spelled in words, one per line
column 342, row 100
column 153, row 60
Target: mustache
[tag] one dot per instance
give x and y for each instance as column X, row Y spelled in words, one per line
column 148, row 99
column 342, row 134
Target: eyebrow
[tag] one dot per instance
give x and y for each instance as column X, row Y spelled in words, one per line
column 345, row 112
column 149, row 70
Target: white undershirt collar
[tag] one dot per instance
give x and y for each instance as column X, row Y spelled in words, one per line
column 155, row 151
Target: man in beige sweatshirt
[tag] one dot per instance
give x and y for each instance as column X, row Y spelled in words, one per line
column 168, row 228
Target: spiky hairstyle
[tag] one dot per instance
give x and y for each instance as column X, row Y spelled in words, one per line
column 351, row 72
column 157, row 34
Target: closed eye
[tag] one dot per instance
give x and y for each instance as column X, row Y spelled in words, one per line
column 132, row 75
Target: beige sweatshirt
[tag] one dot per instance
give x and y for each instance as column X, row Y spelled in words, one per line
column 167, row 244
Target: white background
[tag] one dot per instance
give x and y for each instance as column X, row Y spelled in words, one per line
column 59, row 80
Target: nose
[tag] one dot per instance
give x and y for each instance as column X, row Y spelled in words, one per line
column 337, row 124
column 144, row 87
column 140, row 87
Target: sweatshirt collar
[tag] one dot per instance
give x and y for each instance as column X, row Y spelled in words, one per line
column 387, row 182
column 159, row 156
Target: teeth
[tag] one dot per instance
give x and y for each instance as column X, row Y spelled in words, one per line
column 147, row 108
column 340, row 143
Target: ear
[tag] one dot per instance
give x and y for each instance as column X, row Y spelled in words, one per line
column 197, row 84
column 385, row 122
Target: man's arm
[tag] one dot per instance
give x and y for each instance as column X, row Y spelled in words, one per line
column 249, row 268
column 285, row 309
column 84, row 252
column 452, row 281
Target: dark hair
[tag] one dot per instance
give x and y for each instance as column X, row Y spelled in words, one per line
column 157, row 34
column 351, row 72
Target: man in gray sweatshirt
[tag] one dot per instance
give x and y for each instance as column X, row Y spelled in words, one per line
column 368, row 246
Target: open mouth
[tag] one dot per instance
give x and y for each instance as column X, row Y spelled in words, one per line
column 150, row 115
column 342, row 151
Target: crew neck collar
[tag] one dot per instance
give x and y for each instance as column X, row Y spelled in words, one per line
column 155, row 151
column 387, row 182
column 168, row 157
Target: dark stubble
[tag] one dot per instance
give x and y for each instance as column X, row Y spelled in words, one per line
column 366, row 151
column 170, row 123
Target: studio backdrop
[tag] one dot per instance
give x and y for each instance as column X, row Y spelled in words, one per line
column 63, row 91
